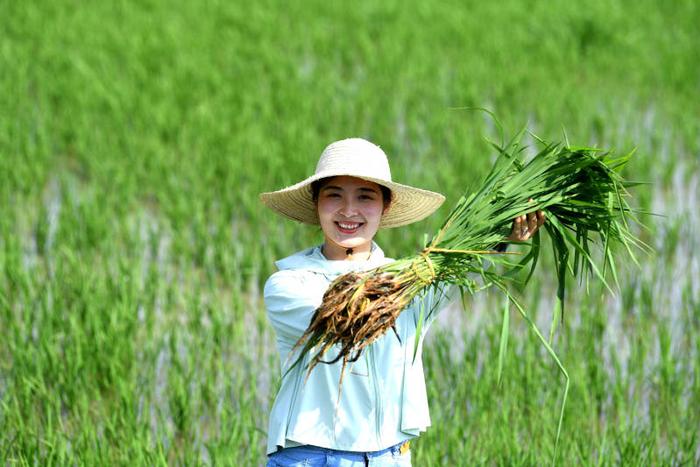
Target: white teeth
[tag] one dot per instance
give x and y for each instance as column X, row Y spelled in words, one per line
column 348, row 226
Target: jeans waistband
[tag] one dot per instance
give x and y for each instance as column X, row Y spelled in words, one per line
column 395, row 449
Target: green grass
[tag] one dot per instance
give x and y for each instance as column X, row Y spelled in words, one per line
column 136, row 136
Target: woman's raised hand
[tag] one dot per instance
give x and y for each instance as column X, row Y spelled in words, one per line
column 525, row 226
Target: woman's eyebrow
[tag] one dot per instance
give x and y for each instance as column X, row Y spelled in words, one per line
column 331, row 187
column 371, row 190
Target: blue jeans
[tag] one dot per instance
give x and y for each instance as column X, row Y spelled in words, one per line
column 313, row 456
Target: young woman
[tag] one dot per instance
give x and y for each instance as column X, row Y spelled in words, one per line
column 383, row 403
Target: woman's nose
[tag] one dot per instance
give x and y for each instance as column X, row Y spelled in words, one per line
column 348, row 208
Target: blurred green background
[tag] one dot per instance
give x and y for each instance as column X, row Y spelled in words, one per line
column 135, row 138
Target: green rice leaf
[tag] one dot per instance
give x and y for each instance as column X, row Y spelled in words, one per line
column 503, row 345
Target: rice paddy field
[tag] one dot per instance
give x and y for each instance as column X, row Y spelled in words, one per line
column 135, row 137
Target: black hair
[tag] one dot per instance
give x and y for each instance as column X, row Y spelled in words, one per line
column 318, row 184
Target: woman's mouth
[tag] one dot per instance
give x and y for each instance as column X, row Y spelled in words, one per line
column 348, row 227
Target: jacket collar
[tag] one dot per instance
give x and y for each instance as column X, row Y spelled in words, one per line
column 312, row 259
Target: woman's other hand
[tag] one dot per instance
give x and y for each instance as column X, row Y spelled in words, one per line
column 525, row 226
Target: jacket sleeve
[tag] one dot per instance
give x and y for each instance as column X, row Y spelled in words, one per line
column 290, row 301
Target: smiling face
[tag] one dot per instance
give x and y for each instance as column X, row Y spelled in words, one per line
column 349, row 211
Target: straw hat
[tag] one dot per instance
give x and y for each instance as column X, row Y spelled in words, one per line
column 359, row 158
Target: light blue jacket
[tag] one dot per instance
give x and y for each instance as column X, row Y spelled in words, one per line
column 383, row 399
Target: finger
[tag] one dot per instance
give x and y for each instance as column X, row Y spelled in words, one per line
column 525, row 229
column 540, row 217
column 514, row 229
column 532, row 221
column 516, row 233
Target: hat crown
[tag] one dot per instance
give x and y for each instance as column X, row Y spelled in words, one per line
column 354, row 156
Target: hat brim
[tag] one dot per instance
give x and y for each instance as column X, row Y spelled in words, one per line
column 408, row 204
